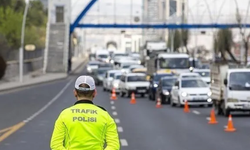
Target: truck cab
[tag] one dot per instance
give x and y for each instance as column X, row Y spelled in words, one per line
column 230, row 89
column 174, row 62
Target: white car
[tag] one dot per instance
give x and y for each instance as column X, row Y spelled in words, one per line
column 188, row 75
column 205, row 74
column 92, row 66
column 193, row 90
column 115, row 82
column 108, row 79
column 133, row 83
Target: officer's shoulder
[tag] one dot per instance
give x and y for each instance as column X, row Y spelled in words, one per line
column 101, row 107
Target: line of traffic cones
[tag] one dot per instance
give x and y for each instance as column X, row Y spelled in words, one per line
column 113, row 95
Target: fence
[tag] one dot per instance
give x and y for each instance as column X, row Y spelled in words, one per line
column 33, row 61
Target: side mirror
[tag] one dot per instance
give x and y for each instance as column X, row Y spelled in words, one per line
column 225, row 82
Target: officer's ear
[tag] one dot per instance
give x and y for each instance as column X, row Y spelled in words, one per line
column 75, row 93
column 95, row 93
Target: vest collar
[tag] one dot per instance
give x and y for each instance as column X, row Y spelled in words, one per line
column 84, row 101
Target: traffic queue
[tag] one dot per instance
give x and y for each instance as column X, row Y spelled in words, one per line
column 126, row 75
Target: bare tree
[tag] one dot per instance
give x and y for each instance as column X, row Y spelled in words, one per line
column 245, row 37
column 222, row 44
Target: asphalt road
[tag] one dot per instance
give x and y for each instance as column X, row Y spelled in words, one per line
column 141, row 126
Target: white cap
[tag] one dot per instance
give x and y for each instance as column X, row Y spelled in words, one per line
column 85, row 80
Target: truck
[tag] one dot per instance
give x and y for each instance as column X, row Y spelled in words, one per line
column 152, row 47
column 168, row 62
column 230, row 88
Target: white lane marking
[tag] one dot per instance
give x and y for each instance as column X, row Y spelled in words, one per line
column 120, row 129
column 117, row 120
column 208, row 118
column 49, row 103
column 112, row 107
column 124, row 142
column 112, row 102
column 114, row 113
column 196, row 112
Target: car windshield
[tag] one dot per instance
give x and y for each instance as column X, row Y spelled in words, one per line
column 174, row 63
column 193, row 83
column 159, row 76
column 103, row 56
column 204, row 74
column 125, row 66
column 118, row 55
column 101, row 71
column 196, row 63
column 117, row 76
column 239, row 81
column 136, row 78
column 168, row 82
column 111, row 75
column 93, row 64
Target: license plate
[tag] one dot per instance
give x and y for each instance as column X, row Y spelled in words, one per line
column 141, row 91
column 198, row 98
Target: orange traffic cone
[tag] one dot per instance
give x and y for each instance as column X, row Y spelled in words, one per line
column 230, row 126
column 158, row 104
column 212, row 118
column 133, row 101
column 186, row 107
column 113, row 95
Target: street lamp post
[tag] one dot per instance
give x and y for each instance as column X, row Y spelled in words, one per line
column 21, row 50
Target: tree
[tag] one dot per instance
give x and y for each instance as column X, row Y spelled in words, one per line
column 177, row 39
column 245, row 37
column 223, row 42
column 185, row 38
column 11, row 26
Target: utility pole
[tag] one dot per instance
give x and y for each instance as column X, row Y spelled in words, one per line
column 21, row 49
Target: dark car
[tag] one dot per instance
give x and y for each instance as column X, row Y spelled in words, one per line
column 99, row 75
column 153, row 84
column 164, row 89
column 105, row 65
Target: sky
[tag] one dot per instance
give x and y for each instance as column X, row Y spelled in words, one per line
column 123, row 8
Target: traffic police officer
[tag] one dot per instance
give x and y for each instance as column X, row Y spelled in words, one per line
column 85, row 126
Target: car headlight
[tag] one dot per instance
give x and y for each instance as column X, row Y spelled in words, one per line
column 209, row 93
column 155, row 85
column 89, row 69
column 209, row 100
column 184, row 94
column 115, row 85
column 165, row 92
column 139, row 62
column 232, row 100
column 112, row 61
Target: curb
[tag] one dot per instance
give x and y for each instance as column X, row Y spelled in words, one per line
column 43, row 82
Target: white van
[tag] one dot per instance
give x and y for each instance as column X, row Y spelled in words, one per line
column 102, row 55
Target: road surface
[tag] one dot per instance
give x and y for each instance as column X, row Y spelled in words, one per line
column 28, row 115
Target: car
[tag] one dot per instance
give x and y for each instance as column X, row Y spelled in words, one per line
column 205, row 74
column 188, row 75
column 136, row 57
column 193, row 90
column 140, row 70
column 153, row 83
column 92, row 66
column 133, row 83
column 115, row 82
column 164, row 89
column 132, row 67
column 116, row 55
column 108, row 78
column 105, row 65
column 99, row 75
